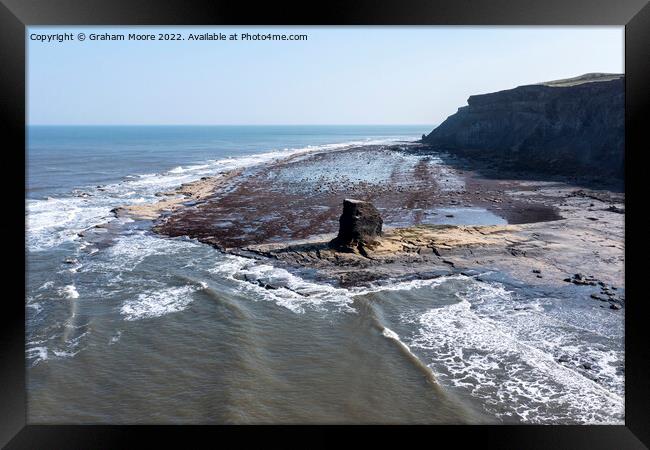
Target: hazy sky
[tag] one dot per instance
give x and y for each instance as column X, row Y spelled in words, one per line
column 340, row 75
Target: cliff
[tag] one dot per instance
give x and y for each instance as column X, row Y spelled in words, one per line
column 572, row 127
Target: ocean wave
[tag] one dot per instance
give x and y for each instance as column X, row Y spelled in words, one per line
column 37, row 354
column 46, row 285
column 514, row 378
column 296, row 293
column 128, row 251
column 280, row 286
column 158, row 303
column 69, row 291
column 394, row 285
column 37, row 307
column 40, row 350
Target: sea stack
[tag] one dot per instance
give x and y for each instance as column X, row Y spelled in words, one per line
column 359, row 226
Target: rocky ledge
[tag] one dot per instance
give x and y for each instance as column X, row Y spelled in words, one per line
column 573, row 126
column 406, row 216
column 540, row 254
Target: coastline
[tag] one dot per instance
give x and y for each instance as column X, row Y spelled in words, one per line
column 554, row 229
column 459, row 250
column 187, row 193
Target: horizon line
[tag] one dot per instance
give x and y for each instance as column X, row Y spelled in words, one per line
column 220, row 124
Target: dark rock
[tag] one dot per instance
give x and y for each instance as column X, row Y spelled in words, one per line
column 582, row 280
column 573, row 126
column 587, row 365
column 615, row 209
column 563, row 358
column 537, row 271
column 359, row 226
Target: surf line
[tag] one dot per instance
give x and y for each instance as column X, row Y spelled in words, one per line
column 377, row 323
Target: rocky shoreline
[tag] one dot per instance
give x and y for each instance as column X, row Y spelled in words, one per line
column 186, row 194
column 286, row 212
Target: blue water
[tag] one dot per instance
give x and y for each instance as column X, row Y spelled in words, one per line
column 61, row 158
column 127, row 326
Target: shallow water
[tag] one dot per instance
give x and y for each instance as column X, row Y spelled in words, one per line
column 138, row 328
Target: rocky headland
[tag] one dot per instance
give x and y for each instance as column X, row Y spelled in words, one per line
column 565, row 127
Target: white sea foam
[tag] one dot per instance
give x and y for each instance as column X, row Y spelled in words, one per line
column 46, row 285
column 55, row 221
column 69, row 291
column 158, row 303
column 129, row 251
column 296, row 293
column 390, row 334
column 64, row 353
column 514, row 378
column 404, row 285
column 37, row 307
column 293, row 292
column 37, row 354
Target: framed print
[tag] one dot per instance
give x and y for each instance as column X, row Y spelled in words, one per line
column 369, row 214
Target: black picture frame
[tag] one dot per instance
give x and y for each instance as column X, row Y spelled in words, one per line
column 15, row 15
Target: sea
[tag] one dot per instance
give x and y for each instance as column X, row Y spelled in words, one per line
column 145, row 329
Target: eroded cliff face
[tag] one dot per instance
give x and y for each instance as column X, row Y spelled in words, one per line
column 573, row 126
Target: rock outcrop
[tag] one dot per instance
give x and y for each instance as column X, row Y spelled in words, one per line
column 359, row 226
column 572, row 127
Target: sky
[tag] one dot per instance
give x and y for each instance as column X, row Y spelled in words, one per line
column 339, row 75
